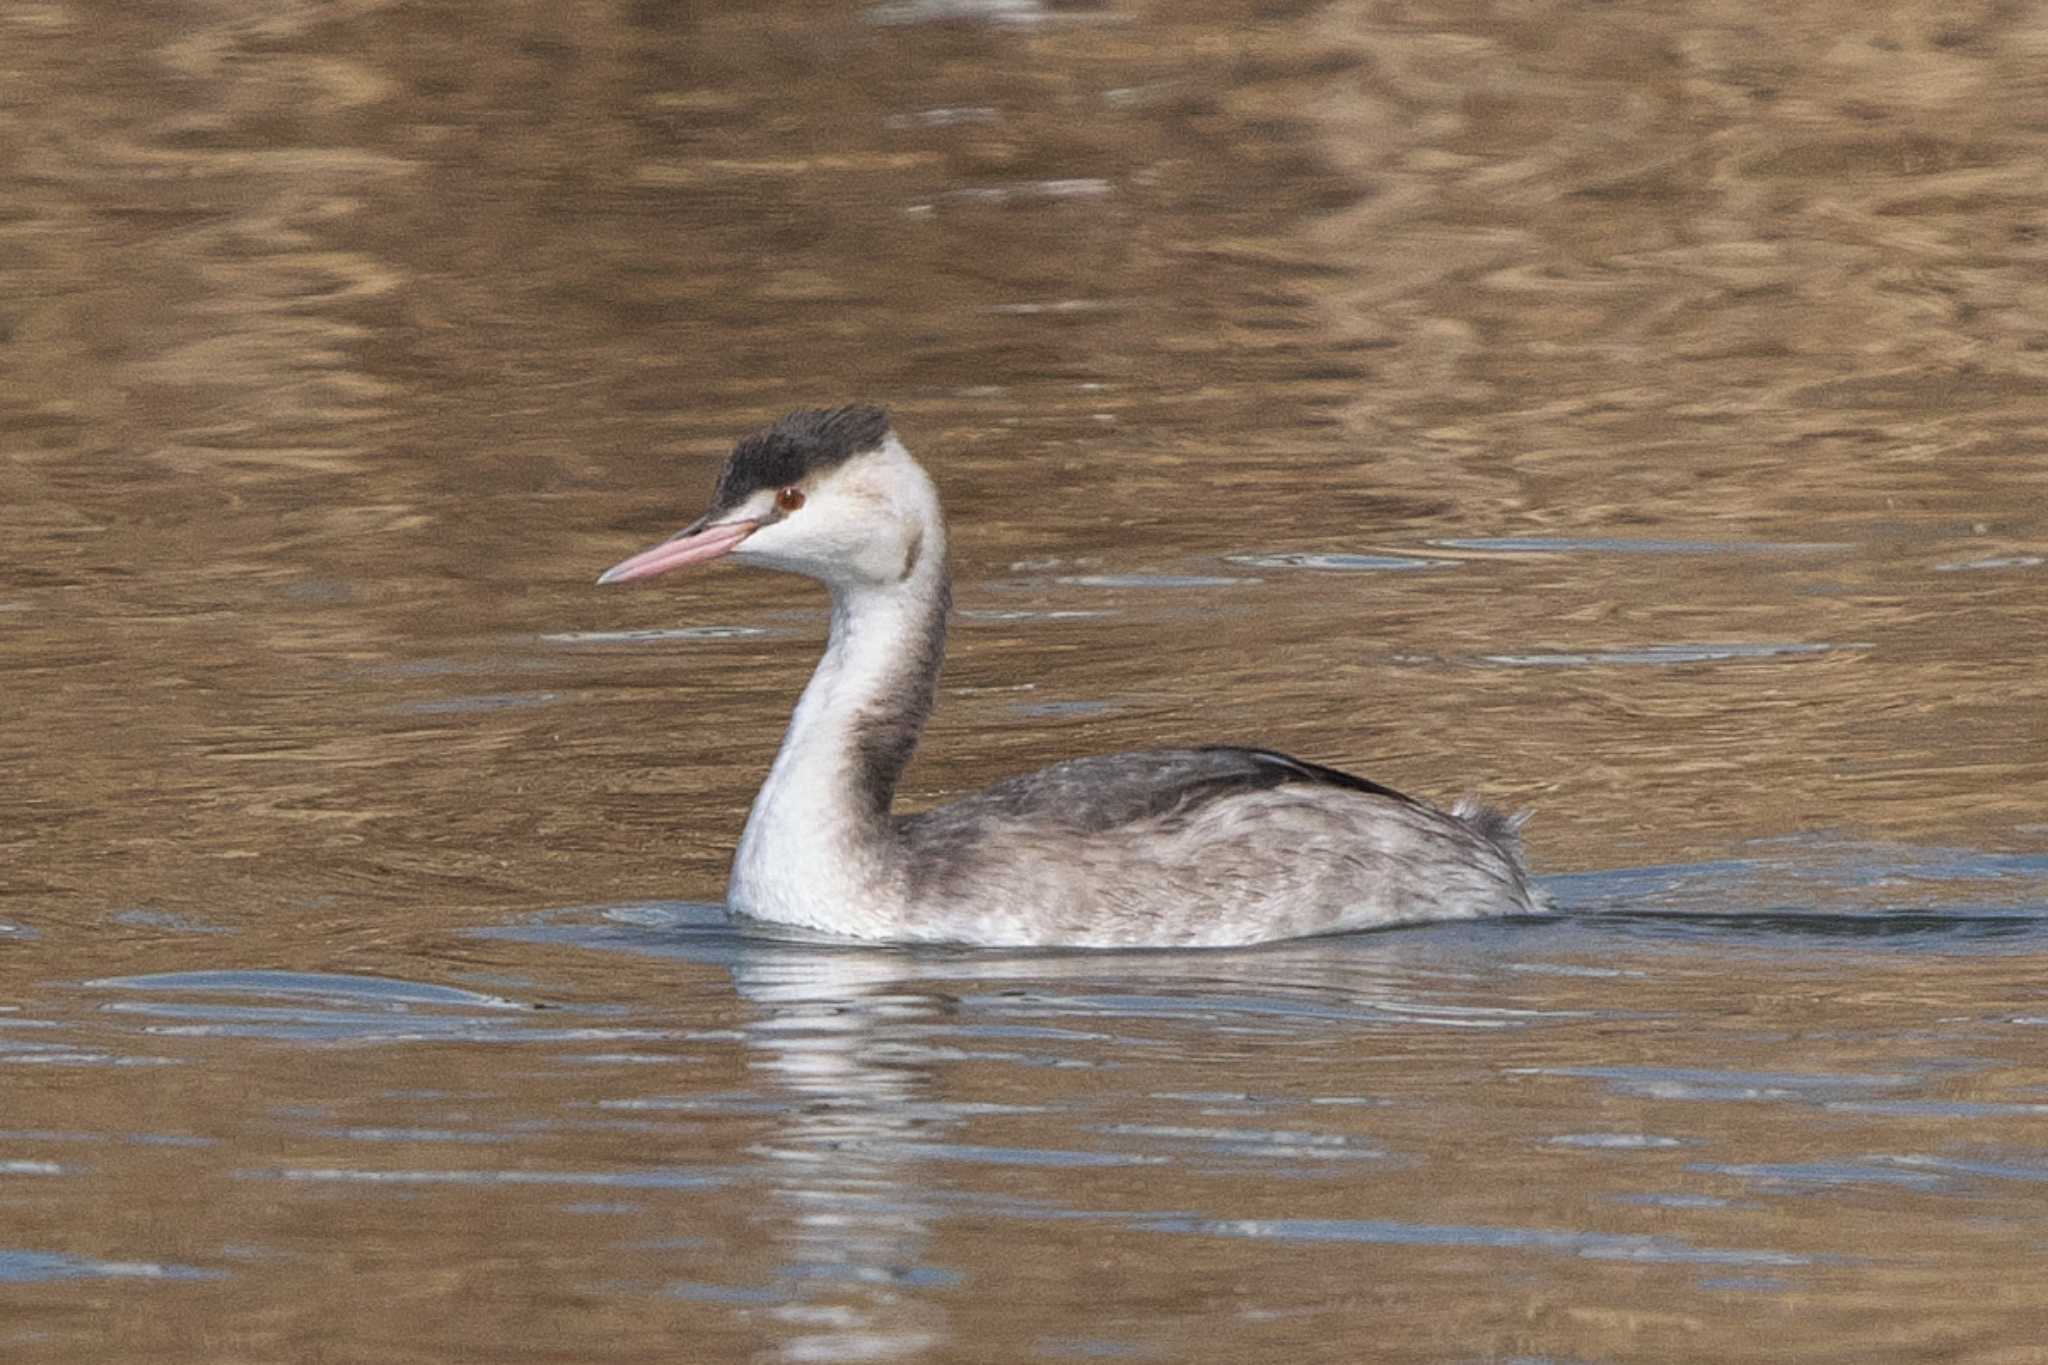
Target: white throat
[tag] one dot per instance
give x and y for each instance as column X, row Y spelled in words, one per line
column 819, row 849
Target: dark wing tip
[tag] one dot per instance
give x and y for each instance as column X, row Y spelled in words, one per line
column 1286, row 767
column 1502, row 829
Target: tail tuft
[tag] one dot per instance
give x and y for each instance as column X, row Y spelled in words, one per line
column 1498, row 827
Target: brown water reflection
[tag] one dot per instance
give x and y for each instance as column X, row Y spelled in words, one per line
column 1632, row 411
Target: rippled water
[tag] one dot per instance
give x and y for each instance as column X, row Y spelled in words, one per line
column 1631, row 412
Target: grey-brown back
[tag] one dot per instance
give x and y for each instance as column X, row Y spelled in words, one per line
column 1243, row 844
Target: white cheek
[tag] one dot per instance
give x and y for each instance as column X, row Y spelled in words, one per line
column 792, row 543
column 827, row 540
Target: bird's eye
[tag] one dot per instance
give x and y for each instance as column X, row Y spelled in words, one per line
column 789, row 499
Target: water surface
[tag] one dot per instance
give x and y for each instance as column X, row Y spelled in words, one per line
column 1629, row 412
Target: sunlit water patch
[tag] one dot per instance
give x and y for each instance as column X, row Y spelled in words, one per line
column 1990, row 563
column 1036, row 308
column 1623, row 545
column 1341, row 563
column 27, row 1267
column 983, row 614
column 1797, row 1176
column 1922, row 1173
column 1597, row 1246
column 317, row 985
column 1000, row 13
column 1661, row 656
column 49, row 1043
column 655, row 1178
column 142, row 917
column 1814, row 885
column 1248, row 1144
column 1721, row 1086
column 944, row 117
column 1029, row 191
column 304, row 1007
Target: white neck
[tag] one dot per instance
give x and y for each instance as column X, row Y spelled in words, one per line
column 819, row 849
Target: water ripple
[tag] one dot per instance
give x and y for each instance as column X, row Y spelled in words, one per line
column 1592, row 1245
column 1341, row 563
column 29, row 1267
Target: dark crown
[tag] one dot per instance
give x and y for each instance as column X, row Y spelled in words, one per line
column 800, row 444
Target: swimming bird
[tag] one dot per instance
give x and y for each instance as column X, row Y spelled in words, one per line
column 1200, row 847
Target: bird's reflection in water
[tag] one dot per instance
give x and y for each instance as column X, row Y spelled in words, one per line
column 857, row 1217
column 856, row 1050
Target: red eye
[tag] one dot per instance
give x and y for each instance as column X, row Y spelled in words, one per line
column 789, row 499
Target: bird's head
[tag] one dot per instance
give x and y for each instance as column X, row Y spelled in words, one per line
column 825, row 492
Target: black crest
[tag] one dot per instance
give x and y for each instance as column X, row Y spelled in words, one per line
column 800, row 444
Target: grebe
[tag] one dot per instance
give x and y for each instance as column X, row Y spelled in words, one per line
column 1207, row 847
